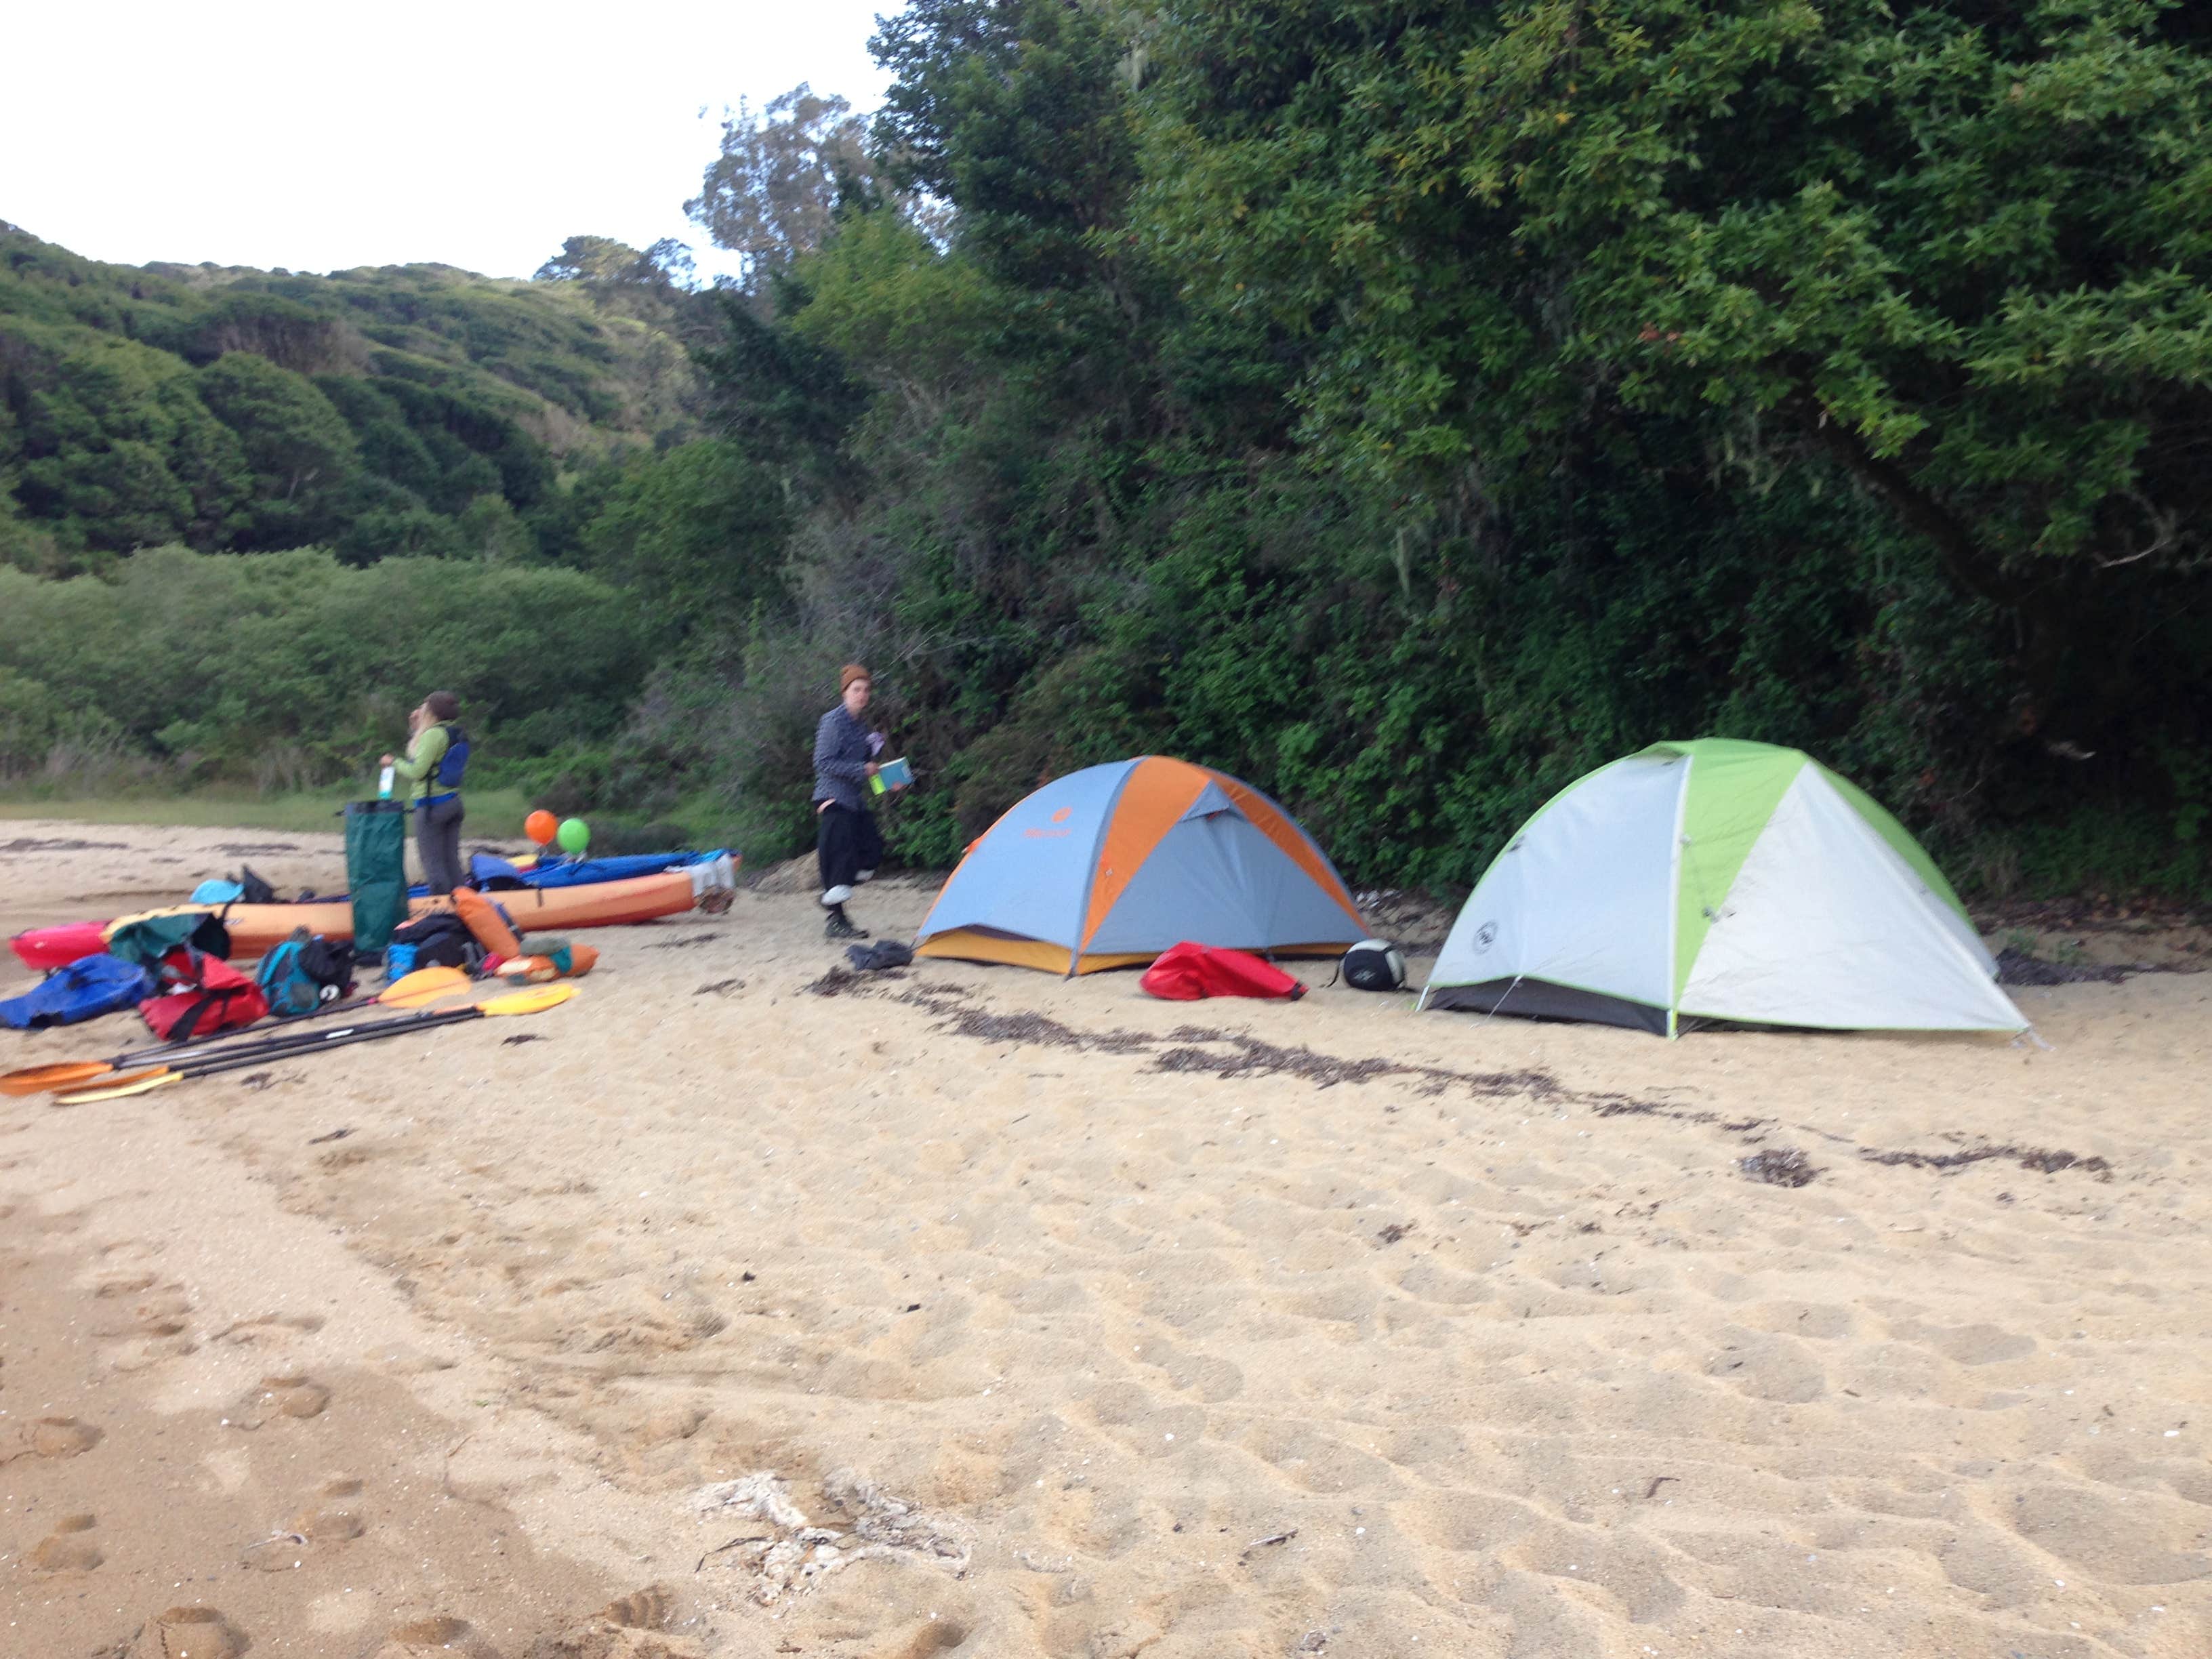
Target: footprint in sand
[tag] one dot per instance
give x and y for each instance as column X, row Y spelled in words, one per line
column 626, row 1628
column 186, row 1633
column 938, row 1635
column 159, row 1326
column 331, row 1520
column 270, row 1328
column 71, row 1547
column 646, row 1609
column 163, row 1314
column 49, row 1437
column 284, row 1395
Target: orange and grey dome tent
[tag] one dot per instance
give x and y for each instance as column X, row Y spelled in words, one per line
column 1109, row 867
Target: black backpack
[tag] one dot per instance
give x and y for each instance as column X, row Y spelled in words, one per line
column 1374, row 964
column 441, row 940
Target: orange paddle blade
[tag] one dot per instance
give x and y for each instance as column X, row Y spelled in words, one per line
column 38, row 1079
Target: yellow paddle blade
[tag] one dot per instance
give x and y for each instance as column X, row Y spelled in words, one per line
column 424, row 985
column 137, row 1083
column 37, row 1079
column 536, row 1000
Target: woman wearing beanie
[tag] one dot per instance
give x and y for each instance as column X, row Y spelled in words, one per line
column 846, row 844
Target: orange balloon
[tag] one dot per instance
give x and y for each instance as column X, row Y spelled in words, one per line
column 541, row 827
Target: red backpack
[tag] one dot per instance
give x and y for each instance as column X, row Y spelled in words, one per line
column 209, row 995
column 1188, row 972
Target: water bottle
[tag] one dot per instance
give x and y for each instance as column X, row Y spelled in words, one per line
column 384, row 784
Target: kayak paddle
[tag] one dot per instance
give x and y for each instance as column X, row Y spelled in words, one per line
column 535, row 1000
column 426, row 985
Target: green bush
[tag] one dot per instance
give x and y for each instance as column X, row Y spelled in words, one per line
column 212, row 663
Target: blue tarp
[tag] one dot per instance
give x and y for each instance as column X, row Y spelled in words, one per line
column 88, row 987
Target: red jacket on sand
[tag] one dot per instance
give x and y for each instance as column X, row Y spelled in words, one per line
column 1188, row 972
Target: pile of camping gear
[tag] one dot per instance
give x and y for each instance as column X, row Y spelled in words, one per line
column 184, row 968
column 548, row 893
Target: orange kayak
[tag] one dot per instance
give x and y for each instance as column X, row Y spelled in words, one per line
column 258, row 929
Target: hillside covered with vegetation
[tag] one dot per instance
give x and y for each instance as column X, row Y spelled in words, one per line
column 413, row 410
column 1406, row 407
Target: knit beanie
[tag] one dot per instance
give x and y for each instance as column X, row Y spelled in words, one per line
column 849, row 673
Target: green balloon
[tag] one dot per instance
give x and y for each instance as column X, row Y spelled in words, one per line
column 575, row 835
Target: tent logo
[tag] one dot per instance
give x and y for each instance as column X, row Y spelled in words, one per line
column 1063, row 815
column 1485, row 937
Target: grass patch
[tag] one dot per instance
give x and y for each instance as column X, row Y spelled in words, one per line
column 493, row 814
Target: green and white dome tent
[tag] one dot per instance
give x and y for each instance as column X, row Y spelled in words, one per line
column 1719, row 880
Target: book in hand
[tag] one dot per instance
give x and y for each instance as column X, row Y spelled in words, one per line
column 891, row 775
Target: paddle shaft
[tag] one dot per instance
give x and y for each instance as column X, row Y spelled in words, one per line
column 350, row 1006
column 282, row 1048
column 337, row 1039
column 521, row 1002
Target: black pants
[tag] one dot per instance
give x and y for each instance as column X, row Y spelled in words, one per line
column 437, row 839
column 845, row 843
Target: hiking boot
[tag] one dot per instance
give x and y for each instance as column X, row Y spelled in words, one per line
column 840, row 926
column 861, row 879
column 835, row 896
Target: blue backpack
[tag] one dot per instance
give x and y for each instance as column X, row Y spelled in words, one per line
column 303, row 973
column 455, row 760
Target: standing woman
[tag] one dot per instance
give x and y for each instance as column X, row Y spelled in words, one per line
column 847, row 846
column 436, row 757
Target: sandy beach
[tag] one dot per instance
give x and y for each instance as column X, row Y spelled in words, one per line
column 733, row 1311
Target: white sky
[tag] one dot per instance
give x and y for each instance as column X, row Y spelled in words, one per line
column 317, row 137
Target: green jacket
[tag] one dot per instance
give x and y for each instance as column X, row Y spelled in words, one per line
column 419, row 765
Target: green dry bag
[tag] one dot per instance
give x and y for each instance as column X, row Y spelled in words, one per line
column 376, row 871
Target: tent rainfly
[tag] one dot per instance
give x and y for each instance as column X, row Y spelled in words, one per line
column 1719, row 880
column 1109, row 867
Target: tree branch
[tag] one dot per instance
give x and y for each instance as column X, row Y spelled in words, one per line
column 1962, row 557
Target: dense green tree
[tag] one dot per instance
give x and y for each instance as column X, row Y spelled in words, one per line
column 1964, row 253
column 303, row 454
column 113, row 447
column 699, row 529
column 23, row 544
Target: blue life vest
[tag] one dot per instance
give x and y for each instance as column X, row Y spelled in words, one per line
column 455, row 760
column 86, row 989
